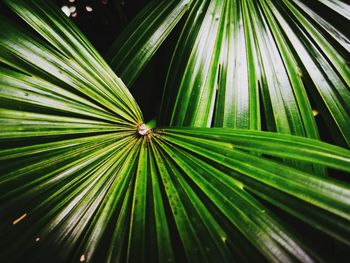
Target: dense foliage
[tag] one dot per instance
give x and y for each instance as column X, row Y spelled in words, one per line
column 237, row 172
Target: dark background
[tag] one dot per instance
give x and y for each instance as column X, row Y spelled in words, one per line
column 106, row 20
column 102, row 26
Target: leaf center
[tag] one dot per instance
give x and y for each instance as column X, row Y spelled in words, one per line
column 143, row 129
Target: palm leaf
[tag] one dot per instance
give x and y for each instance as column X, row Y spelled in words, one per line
column 235, row 59
column 83, row 180
column 129, row 54
column 62, row 63
column 263, row 54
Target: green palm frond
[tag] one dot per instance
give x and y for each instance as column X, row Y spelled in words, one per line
column 242, row 63
column 66, row 58
column 139, row 41
column 83, row 180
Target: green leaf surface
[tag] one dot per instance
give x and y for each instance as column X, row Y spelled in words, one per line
column 248, row 64
column 82, row 180
column 133, row 49
column 261, row 62
column 64, row 56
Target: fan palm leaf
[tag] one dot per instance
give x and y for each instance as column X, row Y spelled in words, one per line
column 82, row 179
column 247, row 63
